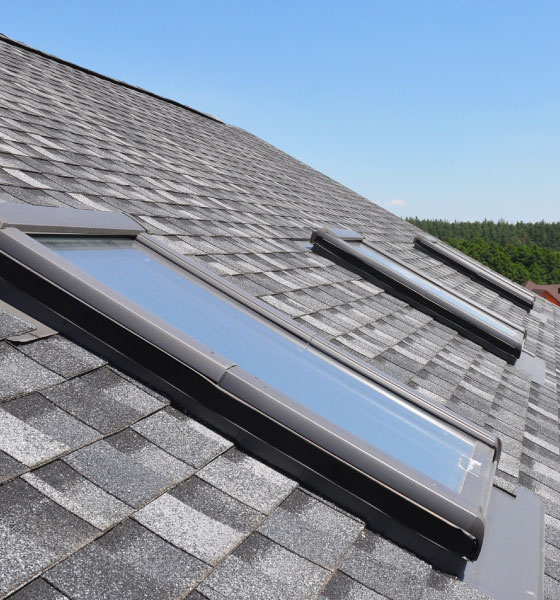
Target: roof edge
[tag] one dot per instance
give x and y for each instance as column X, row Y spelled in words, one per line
column 8, row 40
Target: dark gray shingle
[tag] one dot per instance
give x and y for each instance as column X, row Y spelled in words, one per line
column 35, row 533
column 68, row 488
column 385, row 568
column 103, row 400
column 311, row 529
column 199, row 519
column 248, row 480
column 341, row 587
column 182, row 437
column 39, row 589
column 129, row 467
column 9, row 467
column 21, row 375
column 261, row 570
column 129, row 563
column 62, row 356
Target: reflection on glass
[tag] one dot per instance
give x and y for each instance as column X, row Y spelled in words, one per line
column 409, row 275
column 351, row 402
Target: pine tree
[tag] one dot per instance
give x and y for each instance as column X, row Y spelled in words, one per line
column 520, row 251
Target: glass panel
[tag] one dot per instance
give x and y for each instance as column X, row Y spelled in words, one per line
column 350, row 401
column 409, row 275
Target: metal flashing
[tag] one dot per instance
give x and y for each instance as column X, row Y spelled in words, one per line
column 511, row 562
column 538, row 315
column 534, row 366
column 47, row 219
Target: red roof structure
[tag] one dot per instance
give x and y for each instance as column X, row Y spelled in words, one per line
column 548, row 292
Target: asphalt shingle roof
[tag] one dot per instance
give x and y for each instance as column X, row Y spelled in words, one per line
column 108, row 491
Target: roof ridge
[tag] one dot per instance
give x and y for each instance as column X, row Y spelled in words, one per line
column 5, row 38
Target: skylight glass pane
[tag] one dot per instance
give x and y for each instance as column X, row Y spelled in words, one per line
column 474, row 267
column 409, row 275
column 352, row 402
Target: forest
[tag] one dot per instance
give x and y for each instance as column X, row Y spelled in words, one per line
column 520, row 251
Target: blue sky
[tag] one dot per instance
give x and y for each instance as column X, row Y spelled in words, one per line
column 439, row 109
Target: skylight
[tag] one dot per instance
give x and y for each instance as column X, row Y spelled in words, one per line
column 476, row 323
column 293, row 399
column 355, row 405
column 502, row 285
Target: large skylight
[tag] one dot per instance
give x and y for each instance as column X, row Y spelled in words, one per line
column 374, row 446
column 347, row 400
column 489, row 330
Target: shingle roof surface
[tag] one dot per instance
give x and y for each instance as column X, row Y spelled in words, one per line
column 109, row 492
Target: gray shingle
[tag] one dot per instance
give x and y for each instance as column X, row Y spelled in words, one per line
column 103, row 400
column 261, row 570
column 129, row 563
column 62, row 356
column 34, row 533
column 444, row 587
column 21, row 375
column 552, row 530
column 182, row 437
column 199, row 519
column 551, row 588
column 10, row 325
column 341, row 587
column 9, row 467
column 68, row 488
column 311, row 529
column 552, row 561
column 36, row 414
column 385, row 568
column 39, row 589
column 25, row 443
column 129, row 467
column 196, row 595
column 247, row 480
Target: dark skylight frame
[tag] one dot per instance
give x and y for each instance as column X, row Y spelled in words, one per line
column 474, row 322
column 375, row 485
column 477, row 271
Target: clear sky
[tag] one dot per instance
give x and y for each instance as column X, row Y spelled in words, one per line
column 437, row 109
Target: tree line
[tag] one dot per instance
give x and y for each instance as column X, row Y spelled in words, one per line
column 520, row 251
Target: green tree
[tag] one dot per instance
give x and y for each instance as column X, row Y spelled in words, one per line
column 520, row 251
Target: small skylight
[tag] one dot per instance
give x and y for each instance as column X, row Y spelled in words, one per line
column 480, row 325
column 463, row 263
column 352, row 433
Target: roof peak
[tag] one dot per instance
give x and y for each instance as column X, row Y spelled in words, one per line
column 8, row 40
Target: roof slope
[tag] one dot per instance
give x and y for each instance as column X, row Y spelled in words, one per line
column 108, row 491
